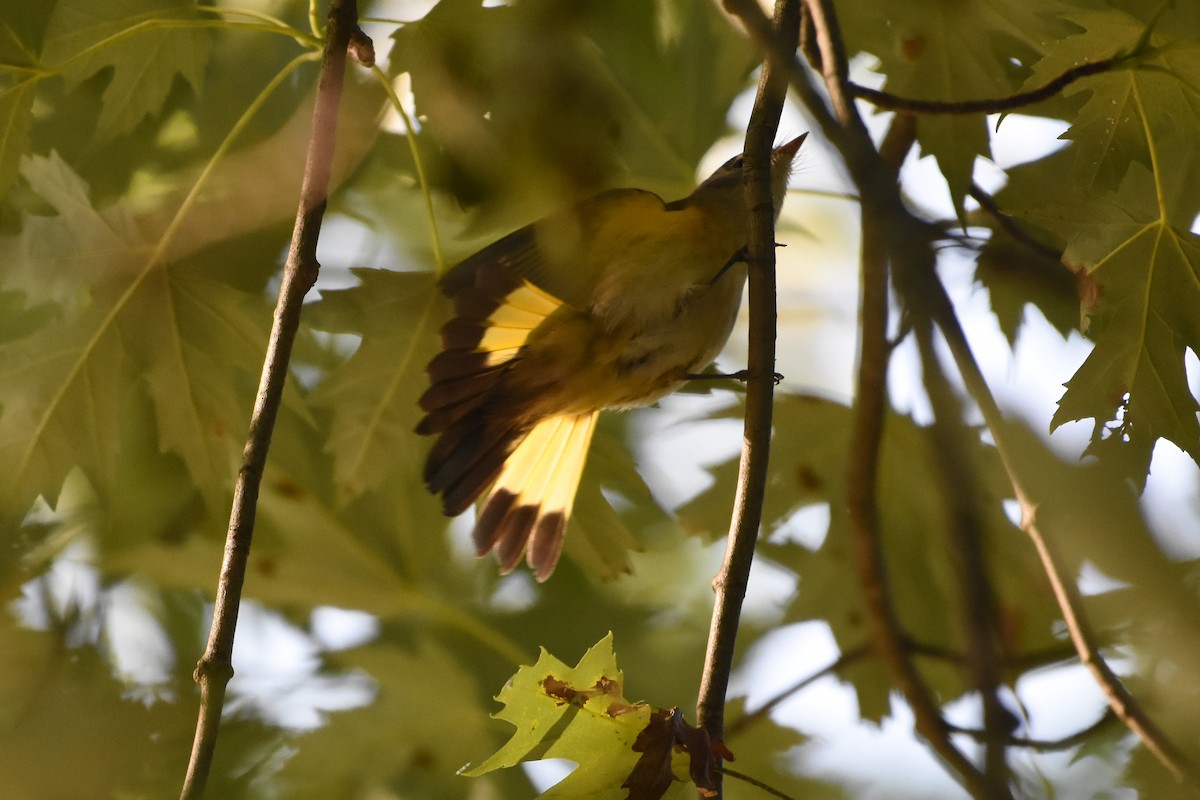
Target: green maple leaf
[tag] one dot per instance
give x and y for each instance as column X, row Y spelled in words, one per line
column 1105, row 132
column 954, row 51
column 1152, row 84
column 123, row 320
column 1129, row 241
column 58, row 256
column 145, row 44
column 1144, row 288
column 16, row 120
column 373, row 396
column 201, row 330
column 60, row 407
column 578, row 713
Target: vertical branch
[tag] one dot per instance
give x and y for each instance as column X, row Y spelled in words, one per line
column 890, row 236
column 215, row 668
column 905, row 240
column 886, row 238
column 962, row 497
column 729, row 586
column 870, row 405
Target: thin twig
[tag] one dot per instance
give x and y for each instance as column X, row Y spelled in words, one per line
column 882, row 232
column 1044, row 745
column 994, row 105
column 1122, row 702
column 744, row 778
column 1017, row 661
column 215, row 668
column 729, row 586
column 838, row 664
column 1010, row 226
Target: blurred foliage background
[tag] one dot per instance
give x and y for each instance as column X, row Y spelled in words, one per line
column 150, row 159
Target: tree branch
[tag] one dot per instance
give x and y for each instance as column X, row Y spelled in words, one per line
column 1010, row 226
column 1122, row 702
column 838, row 664
column 884, row 240
column 862, row 479
column 215, row 668
column 962, row 497
column 890, row 234
column 729, row 586
column 1043, row 745
column 917, row 282
column 995, row 105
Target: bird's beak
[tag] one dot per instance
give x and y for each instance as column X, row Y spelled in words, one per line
column 790, row 149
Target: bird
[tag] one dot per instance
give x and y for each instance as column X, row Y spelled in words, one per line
column 612, row 303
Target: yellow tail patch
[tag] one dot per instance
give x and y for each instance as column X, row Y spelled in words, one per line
column 530, row 503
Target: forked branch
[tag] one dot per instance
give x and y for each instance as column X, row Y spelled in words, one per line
column 906, row 241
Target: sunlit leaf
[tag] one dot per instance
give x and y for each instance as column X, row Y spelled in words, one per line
column 145, row 45
column 953, row 52
column 578, row 713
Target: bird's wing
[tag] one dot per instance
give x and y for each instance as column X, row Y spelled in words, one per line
column 502, row 295
column 559, row 253
column 493, row 318
column 528, row 508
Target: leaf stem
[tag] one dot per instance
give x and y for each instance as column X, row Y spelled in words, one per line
column 426, row 192
column 215, row 668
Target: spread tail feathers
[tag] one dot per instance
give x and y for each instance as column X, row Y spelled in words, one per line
column 528, row 509
column 535, row 466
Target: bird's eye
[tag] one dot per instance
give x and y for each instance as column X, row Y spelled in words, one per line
column 738, row 162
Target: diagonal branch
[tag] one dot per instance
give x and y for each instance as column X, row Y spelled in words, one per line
column 1122, row 702
column 730, row 583
column 215, row 668
column 762, row 712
